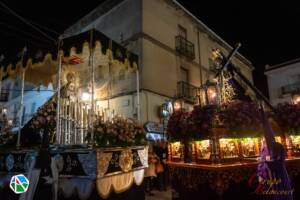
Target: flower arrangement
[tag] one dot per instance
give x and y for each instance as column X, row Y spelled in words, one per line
column 241, row 118
column 203, row 118
column 5, row 129
column 192, row 125
column 5, row 135
column 179, row 126
column 118, row 132
column 45, row 119
column 287, row 115
column 186, row 126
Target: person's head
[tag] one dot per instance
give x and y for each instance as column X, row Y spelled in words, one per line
column 70, row 77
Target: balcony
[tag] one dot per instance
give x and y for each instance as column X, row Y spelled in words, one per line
column 4, row 96
column 184, row 47
column 290, row 88
column 187, row 92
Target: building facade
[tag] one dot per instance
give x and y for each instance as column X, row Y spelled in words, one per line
column 284, row 82
column 10, row 99
column 174, row 49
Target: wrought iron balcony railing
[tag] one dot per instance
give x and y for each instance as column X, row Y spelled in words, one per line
column 291, row 88
column 187, row 92
column 184, row 47
column 4, row 96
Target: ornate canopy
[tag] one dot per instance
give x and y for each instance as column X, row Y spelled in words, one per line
column 41, row 65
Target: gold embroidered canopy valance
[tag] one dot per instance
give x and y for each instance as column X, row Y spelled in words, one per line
column 109, row 58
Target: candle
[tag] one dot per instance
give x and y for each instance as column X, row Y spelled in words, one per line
column 75, row 122
column 81, row 122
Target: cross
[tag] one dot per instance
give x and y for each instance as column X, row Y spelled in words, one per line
column 233, row 70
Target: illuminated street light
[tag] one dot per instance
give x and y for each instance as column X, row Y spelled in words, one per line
column 296, row 99
column 210, row 92
column 178, row 105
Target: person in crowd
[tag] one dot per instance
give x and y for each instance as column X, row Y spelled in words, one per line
column 150, row 173
column 161, row 151
column 44, row 163
column 272, row 166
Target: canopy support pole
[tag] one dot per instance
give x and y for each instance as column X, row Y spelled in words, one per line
column 93, row 88
column 22, row 99
column 138, row 95
column 58, row 124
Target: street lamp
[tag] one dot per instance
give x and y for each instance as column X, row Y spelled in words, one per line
column 178, row 105
column 166, row 111
column 296, row 98
column 212, row 94
column 209, row 91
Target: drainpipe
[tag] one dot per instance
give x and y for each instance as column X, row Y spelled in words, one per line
column 199, row 57
column 200, row 66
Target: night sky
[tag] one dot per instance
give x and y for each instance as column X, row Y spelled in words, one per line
column 269, row 33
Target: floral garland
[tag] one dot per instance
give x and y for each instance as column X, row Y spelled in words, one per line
column 118, row 132
column 241, row 118
column 287, row 115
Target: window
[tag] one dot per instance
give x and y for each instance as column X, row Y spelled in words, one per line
column 4, row 93
column 182, row 45
column 184, row 74
column 182, row 32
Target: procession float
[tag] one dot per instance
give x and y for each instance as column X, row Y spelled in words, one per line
column 215, row 148
column 95, row 150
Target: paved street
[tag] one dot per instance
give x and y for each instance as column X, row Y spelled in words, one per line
column 165, row 195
